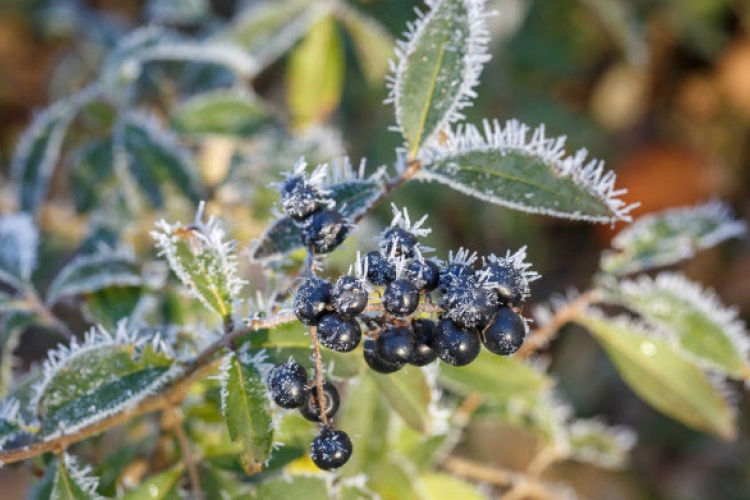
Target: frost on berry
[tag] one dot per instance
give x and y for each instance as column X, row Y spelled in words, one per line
column 509, row 276
column 400, row 239
column 300, row 194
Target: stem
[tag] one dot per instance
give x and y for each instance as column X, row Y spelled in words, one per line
column 319, row 375
column 188, row 459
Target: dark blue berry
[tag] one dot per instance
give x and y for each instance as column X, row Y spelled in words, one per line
column 287, row 384
column 313, row 296
column 339, row 334
column 324, row 231
column 401, row 297
column 380, row 272
column 395, row 345
column 330, row 449
column 451, row 272
column 349, row 296
column 425, row 275
column 299, row 198
column 310, row 409
column 377, row 363
column 398, row 242
column 508, row 282
column 505, row 334
column 455, row 346
column 469, row 304
column 424, row 331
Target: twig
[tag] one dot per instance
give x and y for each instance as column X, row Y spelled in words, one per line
column 188, row 459
column 319, row 376
column 519, row 485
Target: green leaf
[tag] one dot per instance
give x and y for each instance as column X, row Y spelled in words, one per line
column 661, row 376
column 593, row 442
column 709, row 333
column 109, row 306
column 372, row 42
column 440, row 486
column 246, row 409
column 664, row 238
column 495, row 378
column 299, row 487
column 220, row 112
column 19, row 239
column 408, row 393
column 438, row 67
column 315, row 74
column 156, row 487
column 501, row 165
column 93, row 273
column 73, row 482
column 91, row 169
column 10, row 421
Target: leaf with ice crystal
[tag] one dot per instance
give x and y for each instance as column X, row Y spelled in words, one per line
column 669, row 236
column 502, row 165
column 74, row 482
column 203, row 259
column 19, row 239
column 596, row 443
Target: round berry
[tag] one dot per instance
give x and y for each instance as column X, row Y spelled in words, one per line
column 424, row 332
column 330, row 449
column 310, row 409
column 349, row 296
column 380, row 272
column 401, row 297
column 299, row 198
column 398, row 242
column 395, row 345
column 425, row 275
column 469, row 304
column 451, row 272
column 311, row 300
column 339, row 334
column 454, row 345
column 506, row 333
column 324, row 231
column 377, row 363
column 508, row 282
column 287, row 384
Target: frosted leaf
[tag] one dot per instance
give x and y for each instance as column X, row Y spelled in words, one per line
column 177, row 11
column 74, row 481
column 19, row 238
column 203, row 259
column 221, row 111
column 502, row 165
column 669, row 236
column 604, row 446
column 10, row 419
column 211, row 52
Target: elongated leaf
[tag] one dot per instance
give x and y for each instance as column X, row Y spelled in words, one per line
column 708, row 331
column 91, row 168
column 40, row 146
column 10, row 420
column 603, row 446
column 246, row 409
column 156, row 487
column 666, row 237
column 92, row 273
column 661, row 376
column 372, row 42
column 73, row 482
column 220, row 112
column 19, row 239
column 501, row 165
column 408, row 393
column 444, row 487
column 309, row 488
column 438, row 67
column 315, row 74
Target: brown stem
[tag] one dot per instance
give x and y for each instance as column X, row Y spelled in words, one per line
column 187, row 458
column 319, row 376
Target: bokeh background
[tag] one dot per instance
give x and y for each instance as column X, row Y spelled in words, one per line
column 660, row 89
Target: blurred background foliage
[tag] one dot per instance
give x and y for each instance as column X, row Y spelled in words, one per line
column 658, row 88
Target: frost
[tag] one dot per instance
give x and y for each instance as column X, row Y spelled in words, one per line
column 516, row 261
column 9, row 410
column 440, row 416
column 599, row 444
column 80, row 475
column 19, row 239
column 463, row 257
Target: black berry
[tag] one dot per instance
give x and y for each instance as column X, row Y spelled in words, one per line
column 398, row 242
column 425, row 275
column 299, row 198
column 311, row 300
column 380, row 272
column 395, row 345
column 455, row 346
column 287, row 384
column 506, row 333
column 508, row 282
column 424, row 332
column 324, row 231
column 377, row 363
column 330, row 449
column 469, row 304
column 310, row 409
column 349, row 296
column 451, row 272
column 401, row 297
column 339, row 334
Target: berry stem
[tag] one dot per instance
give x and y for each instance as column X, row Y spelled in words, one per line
column 319, row 375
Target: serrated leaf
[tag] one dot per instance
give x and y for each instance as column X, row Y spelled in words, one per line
column 19, row 238
column 593, row 442
column 90, row 170
column 156, row 487
column 494, row 377
column 710, row 333
column 301, row 487
column 40, row 146
column 315, row 74
column 440, row 486
column 408, row 393
column 438, row 67
column 501, row 165
column 372, row 42
column 220, row 112
column 93, row 273
column 246, row 410
column 73, row 482
column 669, row 236
column 661, row 376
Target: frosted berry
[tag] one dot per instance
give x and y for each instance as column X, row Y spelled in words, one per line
column 425, row 275
column 506, row 333
column 395, row 345
column 455, row 346
column 287, row 384
column 398, row 242
column 330, row 449
column 377, row 363
column 310, row 409
column 349, row 296
column 451, row 272
column 339, row 334
column 508, row 282
column 380, row 272
column 401, row 297
column 469, row 304
column 423, row 354
column 311, row 300
column 324, row 231
column 299, row 198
